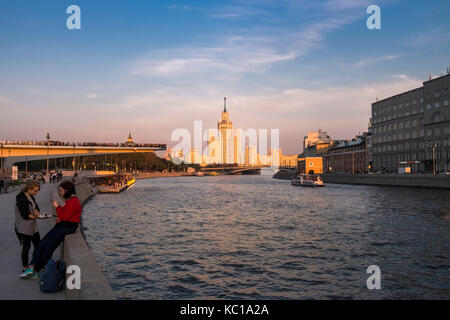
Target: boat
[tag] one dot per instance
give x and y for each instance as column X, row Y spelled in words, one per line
column 213, row 173
column 199, row 174
column 308, row 180
column 114, row 183
column 131, row 182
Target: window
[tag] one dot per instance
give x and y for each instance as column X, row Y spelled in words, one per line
column 437, row 94
column 446, row 102
column 428, row 106
column 438, row 117
column 436, row 105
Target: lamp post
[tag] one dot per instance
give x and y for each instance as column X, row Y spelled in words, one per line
column 73, row 159
column 353, row 162
column 1, row 158
column 48, row 148
column 434, row 158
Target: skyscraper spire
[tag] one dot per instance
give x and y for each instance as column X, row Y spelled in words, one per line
column 225, row 104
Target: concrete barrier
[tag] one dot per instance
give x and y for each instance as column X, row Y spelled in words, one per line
column 399, row 180
column 94, row 285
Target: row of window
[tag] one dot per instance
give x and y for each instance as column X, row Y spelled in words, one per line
column 408, row 99
column 437, row 104
column 416, row 146
column 430, row 132
column 396, row 125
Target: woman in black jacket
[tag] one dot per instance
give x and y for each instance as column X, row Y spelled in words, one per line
column 26, row 213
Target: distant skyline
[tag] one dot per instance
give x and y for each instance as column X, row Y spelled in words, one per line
column 151, row 67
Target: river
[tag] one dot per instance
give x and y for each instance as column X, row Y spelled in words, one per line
column 254, row 237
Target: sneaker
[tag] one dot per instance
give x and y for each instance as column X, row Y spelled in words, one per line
column 27, row 273
column 35, row 275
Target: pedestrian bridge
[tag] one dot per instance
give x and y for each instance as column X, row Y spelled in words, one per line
column 12, row 153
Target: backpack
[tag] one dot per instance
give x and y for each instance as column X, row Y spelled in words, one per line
column 52, row 279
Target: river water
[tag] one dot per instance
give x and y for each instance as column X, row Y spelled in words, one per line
column 254, row 237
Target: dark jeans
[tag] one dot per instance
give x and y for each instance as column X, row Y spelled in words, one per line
column 26, row 241
column 48, row 245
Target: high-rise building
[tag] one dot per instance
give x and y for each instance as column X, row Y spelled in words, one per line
column 224, row 144
column 412, row 129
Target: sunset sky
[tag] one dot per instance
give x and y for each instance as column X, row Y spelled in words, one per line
column 150, row 67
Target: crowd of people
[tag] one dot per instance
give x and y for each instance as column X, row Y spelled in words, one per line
column 80, row 144
column 117, row 181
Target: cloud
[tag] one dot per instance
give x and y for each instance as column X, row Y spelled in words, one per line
column 92, row 96
column 433, row 38
column 368, row 61
column 236, row 56
column 226, row 12
column 6, row 101
column 178, row 7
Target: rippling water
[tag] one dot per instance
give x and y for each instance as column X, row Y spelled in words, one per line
column 254, row 237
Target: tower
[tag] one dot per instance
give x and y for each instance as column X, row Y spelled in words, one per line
column 225, row 128
column 130, row 141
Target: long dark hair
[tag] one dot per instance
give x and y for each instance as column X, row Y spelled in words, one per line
column 69, row 189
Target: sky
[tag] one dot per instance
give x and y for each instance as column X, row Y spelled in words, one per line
column 153, row 66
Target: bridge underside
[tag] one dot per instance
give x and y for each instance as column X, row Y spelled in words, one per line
column 235, row 171
column 9, row 161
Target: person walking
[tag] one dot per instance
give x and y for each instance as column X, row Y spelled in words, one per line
column 2, row 183
column 26, row 227
column 69, row 217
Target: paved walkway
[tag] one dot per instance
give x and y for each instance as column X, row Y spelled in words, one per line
column 11, row 286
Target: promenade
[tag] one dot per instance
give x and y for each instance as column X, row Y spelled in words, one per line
column 12, row 287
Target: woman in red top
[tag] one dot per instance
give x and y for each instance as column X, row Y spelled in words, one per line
column 69, row 216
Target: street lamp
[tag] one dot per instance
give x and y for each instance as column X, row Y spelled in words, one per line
column 1, row 158
column 48, row 148
column 434, row 158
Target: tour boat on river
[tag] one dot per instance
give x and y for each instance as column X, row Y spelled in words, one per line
column 308, row 180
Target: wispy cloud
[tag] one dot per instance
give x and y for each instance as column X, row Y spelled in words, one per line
column 433, row 38
column 236, row 56
column 235, row 11
column 92, row 96
column 365, row 62
column 4, row 100
column 179, row 7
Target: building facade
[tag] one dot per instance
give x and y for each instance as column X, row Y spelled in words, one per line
column 413, row 129
column 319, row 139
column 310, row 165
column 348, row 156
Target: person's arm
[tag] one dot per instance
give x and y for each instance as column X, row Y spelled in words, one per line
column 35, row 203
column 63, row 212
column 24, row 207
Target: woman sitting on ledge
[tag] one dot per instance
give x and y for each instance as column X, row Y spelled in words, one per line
column 69, row 216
